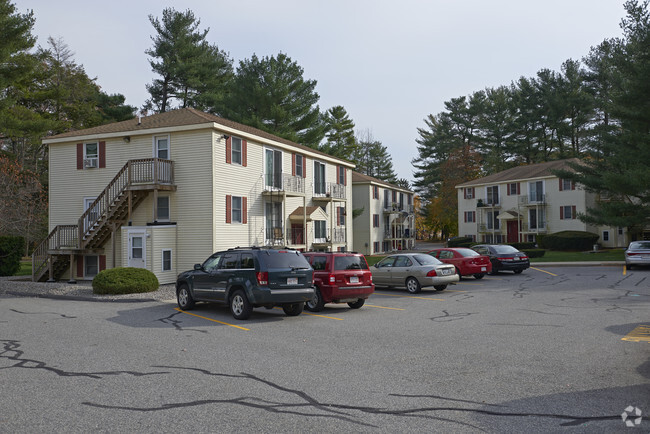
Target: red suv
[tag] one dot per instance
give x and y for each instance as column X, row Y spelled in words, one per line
column 339, row 277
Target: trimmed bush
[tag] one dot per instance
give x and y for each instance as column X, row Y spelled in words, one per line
column 11, row 250
column 570, row 241
column 126, row 280
column 522, row 246
column 460, row 242
column 534, row 253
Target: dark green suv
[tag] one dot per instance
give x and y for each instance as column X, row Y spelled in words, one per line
column 249, row 277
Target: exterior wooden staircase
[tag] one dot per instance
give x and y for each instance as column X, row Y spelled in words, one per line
column 112, row 209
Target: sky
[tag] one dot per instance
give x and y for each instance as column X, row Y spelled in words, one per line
column 390, row 64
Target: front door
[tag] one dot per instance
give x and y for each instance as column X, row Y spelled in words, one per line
column 513, row 231
column 137, row 250
column 296, row 234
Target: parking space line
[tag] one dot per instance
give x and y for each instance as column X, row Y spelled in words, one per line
column 322, row 316
column 547, row 272
column 639, row 334
column 213, row 320
column 454, row 290
column 409, row 296
column 384, row 307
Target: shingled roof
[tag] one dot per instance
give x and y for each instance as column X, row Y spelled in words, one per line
column 178, row 118
column 360, row 178
column 520, row 173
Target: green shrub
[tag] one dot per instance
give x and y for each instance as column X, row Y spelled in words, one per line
column 11, row 251
column 457, row 241
column 569, row 240
column 127, row 280
column 522, row 246
column 534, row 253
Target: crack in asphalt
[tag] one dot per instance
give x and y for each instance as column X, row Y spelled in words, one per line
column 545, row 313
column 451, row 317
column 177, row 324
column 11, row 351
column 40, row 313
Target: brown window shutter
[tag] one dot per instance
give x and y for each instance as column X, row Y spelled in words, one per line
column 102, row 262
column 228, row 208
column 508, row 189
column 518, row 188
column 228, row 151
column 80, row 266
column 102, row 154
column 293, row 164
column 304, row 166
column 573, row 211
column 560, row 184
column 473, row 216
column 573, row 185
column 80, row 156
column 345, row 176
column 244, row 152
column 561, row 213
column 244, row 210
column 464, row 193
column 465, row 216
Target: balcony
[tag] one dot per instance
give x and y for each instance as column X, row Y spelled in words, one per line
column 282, row 183
column 535, row 229
column 334, row 236
column 328, row 191
column 532, row 200
column 488, row 203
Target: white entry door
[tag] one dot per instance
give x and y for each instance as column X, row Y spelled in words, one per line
column 137, row 250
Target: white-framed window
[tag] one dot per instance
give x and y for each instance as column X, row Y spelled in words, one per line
column 236, row 150
column 166, row 259
column 91, row 266
column 536, row 191
column 273, row 168
column 513, row 189
column 341, row 215
column 375, row 192
column 567, row 184
column 164, row 213
column 620, row 230
column 375, row 220
column 341, row 175
column 236, row 209
column 536, row 219
column 320, row 231
column 319, row 178
column 492, row 220
column 161, row 147
column 300, row 165
column 567, row 212
column 493, row 195
column 470, row 216
column 91, row 155
column 605, row 235
column 469, row 192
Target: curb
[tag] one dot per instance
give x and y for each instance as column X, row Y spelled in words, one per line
column 79, row 297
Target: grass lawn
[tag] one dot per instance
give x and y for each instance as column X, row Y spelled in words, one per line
column 25, row 268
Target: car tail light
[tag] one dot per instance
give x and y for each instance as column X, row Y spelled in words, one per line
column 523, row 257
column 370, row 277
column 263, row 278
column 431, row 273
column 332, row 278
column 632, row 254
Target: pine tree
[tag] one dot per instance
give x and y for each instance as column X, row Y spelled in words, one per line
column 340, row 134
column 372, row 158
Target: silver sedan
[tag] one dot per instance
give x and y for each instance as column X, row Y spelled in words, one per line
column 637, row 253
column 413, row 271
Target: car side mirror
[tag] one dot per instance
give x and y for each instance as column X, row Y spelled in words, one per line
column 198, row 267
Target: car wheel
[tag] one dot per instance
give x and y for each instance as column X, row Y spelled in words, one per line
column 240, row 306
column 628, row 266
column 357, row 304
column 184, row 298
column 412, row 285
column 293, row 309
column 518, row 271
column 460, row 276
column 316, row 304
column 479, row 275
column 440, row 287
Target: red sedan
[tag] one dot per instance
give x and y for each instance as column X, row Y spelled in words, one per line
column 466, row 261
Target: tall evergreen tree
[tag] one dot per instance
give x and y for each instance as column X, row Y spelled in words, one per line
column 271, row 94
column 372, row 158
column 340, row 140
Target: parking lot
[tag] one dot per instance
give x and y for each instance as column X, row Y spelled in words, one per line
column 552, row 349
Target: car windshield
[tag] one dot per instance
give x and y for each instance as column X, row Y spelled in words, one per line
column 505, row 249
column 284, row 259
column 467, row 252
column 427, row 260
column 640, row 245
column 350, row 263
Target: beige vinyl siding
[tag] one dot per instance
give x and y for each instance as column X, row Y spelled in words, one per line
column 163, row 238
column 362, row 198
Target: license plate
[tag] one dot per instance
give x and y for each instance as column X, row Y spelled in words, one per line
column 354, row 279
column 516, row 258
column 446, row 272
column 483, row 268
column 292, row 281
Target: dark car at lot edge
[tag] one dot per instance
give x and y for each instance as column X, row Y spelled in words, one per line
column 339, row 277
column 504, row 257
column 467, row 261
column 637, row 253
column 246, row 278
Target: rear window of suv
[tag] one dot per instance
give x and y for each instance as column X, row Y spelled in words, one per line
column 284, row 259
column 350, row 263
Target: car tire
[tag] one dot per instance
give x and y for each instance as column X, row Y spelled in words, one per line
column 628, row 266
column 240, row 307
column 184, row 298
column 479, row 275
column 460, row 276
column 518, row 271
column 412, row 285
column 357, row 304
column 316, row 304
column 293, row 309
column 440, row 287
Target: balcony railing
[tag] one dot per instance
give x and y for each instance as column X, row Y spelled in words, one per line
column 283, row 182
column 532, row 199
column 525, row 227
column 329, row 190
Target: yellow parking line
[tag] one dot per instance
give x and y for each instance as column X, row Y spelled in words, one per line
column 454, row 290
column 624, row 270
column 639, row 334
column 213, row 320
column 322, row 316
column 384, row 307
column 547, row 272
column 409, row 296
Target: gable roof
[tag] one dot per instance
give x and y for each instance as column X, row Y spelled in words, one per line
column 360, row 178
column 520, row 173
column 179, row 118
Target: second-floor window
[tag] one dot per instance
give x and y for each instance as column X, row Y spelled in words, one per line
column 236, row 150
column 91, row 155
column 513, row 189
column 163, row 208
column 341, row 175
column 375, row 220
column 469, row 192
column 299, row 165
column 162, row 147
column 319, row 178
column 273, row 168
column 536, row 191
column 236, row 211
column 375, row 192
column 567, row 212
column 567, row 184
column 493, row 195
column 470, row 216
column 492, row 220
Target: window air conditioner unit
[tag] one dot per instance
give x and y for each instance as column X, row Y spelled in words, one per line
column 90, row 163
